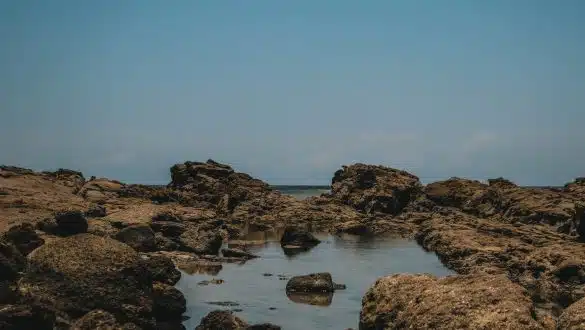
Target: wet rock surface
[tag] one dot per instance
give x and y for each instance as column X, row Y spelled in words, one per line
column 315, row 283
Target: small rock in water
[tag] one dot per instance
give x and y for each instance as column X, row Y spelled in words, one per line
column 319, row 282
column 237, row 253
column 237, row 310
column 216, row 281
column 272, row 308
column 267, row 274
column 223, row 303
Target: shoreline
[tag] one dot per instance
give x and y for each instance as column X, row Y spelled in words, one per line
column 526, row 240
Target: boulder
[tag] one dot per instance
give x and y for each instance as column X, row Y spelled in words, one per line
column 23, row 237
column 70, row 223
column 140, row 237
column 168, row 228
column 453, row 302
column 19, row 317
column 96, row 211
column 315, row 283
column 162, row 269
column 374, row 189
column 200, row 242
column 237, row 253
column 169, row 302
column 164, row 243
column 100, row 319
column 84, row 272
column 298, row 237
column 573, row 318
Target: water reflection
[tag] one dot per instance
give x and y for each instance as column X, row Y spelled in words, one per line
column 203, row 267
column 315, row 299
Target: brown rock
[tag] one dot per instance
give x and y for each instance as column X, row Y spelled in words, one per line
column 84, row 272
column 70, row 222
column 169, row 303
column 96, row 211
column 101, row 320
column 573, row 318
column 200, row 243
column 12, row 262
column 162, row 269
column 140, row 237
column 17, row 317
column 316, row 283
column 23, row 237
column 237, row 253
column 374, row 189
column 221, row 320
column 454, row 302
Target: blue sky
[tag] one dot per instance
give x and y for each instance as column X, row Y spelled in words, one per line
column 290, row 90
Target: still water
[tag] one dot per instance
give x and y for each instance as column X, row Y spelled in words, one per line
column 256, row 297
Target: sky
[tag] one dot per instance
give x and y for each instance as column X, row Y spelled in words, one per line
column 288, row 91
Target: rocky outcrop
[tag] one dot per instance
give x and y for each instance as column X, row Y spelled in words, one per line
column 84, row 272
column 162, row 269
column 454, row 302
column 313, row 283
column 200, row 242
column 217, row 184
column 374, row 189
column 23, row 237
column 140, row 237
column 100, row 319
column 226, row 320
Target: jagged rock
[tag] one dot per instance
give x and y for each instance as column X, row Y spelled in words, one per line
column 169, row 303
column 84, row 272
column 237, row 253
column 454, row 302
column 315, row 283
column 200, row 243
column 162, row 269
column 374, row 189
column 100, row 319
column 20, row 317
column 23, row 237
column 140, row 237
column 501, row 183
column 225, row 320
column 70, row 223
column 96, row 211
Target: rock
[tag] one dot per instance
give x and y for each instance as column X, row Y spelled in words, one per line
column 454, row 302
column 169, row 303
column 96, row 211
column 579, row 220
column 162, row 269
column 200, row 243
column 81, row 273
column 100, row 319
column 12, row 262
column 237, row 253
column 224, row 320
column 501, row 183
column 164, row 243
column 101, row 190
column 71, row 223
column 573, row 318
column 23, row 237
column 168, row 228
column 140, row 237
column 17, row 317
column 167, row 216
column 297, row 237
column 353, row 227
column 374, row 189
column 319, row 282
column 263, row 326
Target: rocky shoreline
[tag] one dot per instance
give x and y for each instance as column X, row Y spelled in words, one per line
column 79, row 253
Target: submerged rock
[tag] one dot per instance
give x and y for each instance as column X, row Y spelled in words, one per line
column 316, row 283
column 85, row 272
column 237, row 253
column 454, row 302
column 23, row 237
column 140, row 237
column 298, row 238
column 226, row 320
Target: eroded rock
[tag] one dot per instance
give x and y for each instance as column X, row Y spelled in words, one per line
column 162, row 269
column 169, row 303
column 140, row 237
column 315, row 283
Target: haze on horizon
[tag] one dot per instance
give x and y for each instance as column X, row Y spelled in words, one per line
column 289, row 91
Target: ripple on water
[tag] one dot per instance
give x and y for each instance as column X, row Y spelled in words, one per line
column 354, row 261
